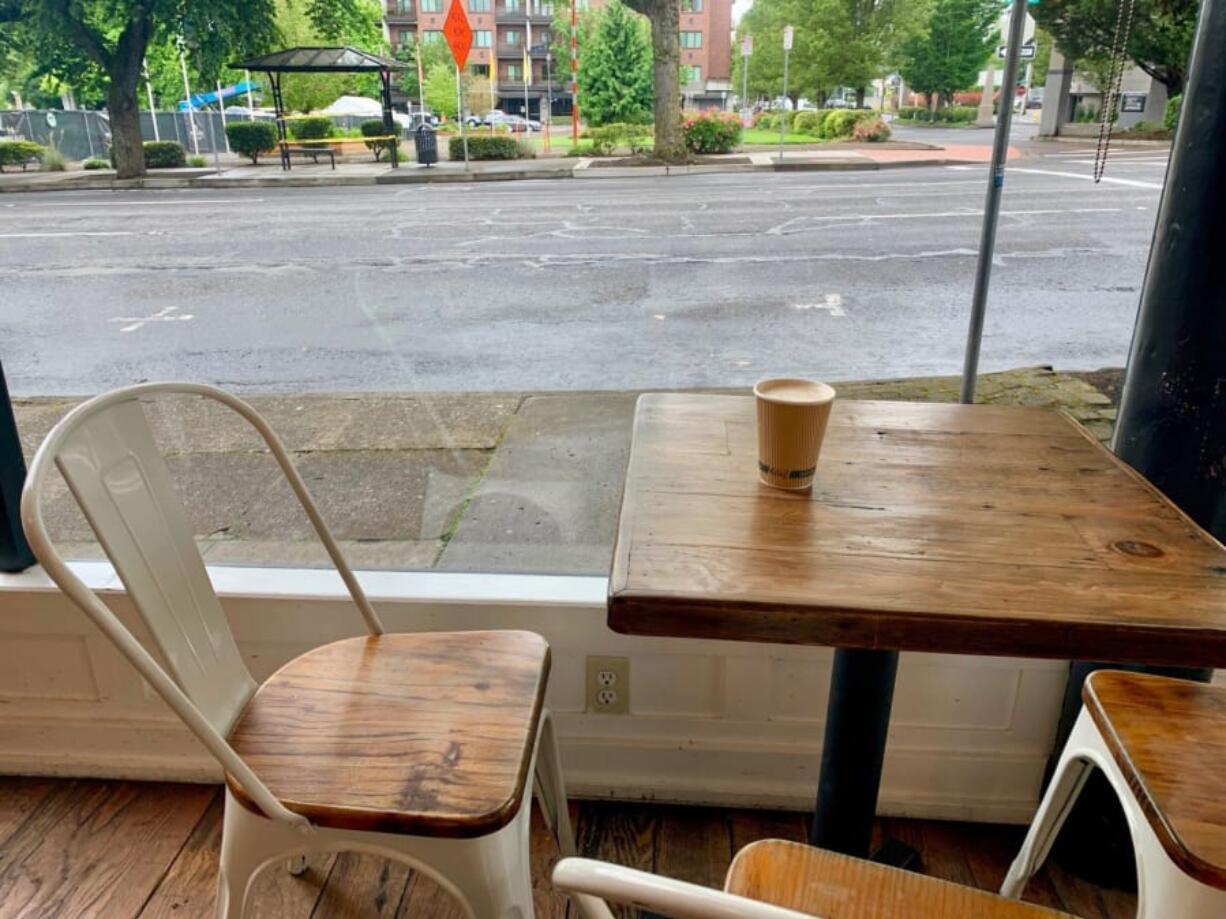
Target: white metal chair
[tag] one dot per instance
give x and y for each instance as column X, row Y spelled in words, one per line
column 1161, row 743
column 776, row 879
column 415, row 747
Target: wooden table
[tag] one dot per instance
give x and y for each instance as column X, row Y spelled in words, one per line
column 966, row 529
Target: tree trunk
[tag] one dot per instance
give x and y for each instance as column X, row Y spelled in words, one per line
column 127, row 149
column 665, row 16
column 860, row 97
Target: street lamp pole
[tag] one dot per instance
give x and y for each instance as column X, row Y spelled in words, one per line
column 187, row 90
column 991, row 207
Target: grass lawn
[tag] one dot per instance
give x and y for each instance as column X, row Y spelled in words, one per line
column 759, row 136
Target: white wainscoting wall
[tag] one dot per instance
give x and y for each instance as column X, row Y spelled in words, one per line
column 711, row 721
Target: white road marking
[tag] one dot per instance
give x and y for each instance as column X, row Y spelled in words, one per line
column 162, row 315
column 833, row 305
column 788, row 226
column 81, row 233
column 174, row 202
column 961, row 168
column 1089, row 178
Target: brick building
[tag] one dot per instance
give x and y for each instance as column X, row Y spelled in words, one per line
column 501, row 31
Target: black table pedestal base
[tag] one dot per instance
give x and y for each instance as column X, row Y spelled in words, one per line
column 857, row 721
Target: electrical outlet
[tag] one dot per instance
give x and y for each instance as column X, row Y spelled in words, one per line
column 608, row 685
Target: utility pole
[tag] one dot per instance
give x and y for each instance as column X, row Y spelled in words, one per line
column 746, row 53
column 574, row 71
column 153, row 114
column 991, row 207
column 788, row 33
column 187, row 89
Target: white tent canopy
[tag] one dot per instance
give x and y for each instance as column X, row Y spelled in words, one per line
column 354, row 105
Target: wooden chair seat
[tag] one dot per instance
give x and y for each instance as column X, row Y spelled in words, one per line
column 427, row 734
column 822, row 883
column 1168, row 738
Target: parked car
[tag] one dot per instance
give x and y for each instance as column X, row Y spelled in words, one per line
column 516, row 124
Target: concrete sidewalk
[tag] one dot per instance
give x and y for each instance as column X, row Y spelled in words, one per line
column 515, row 482
column 829, row 157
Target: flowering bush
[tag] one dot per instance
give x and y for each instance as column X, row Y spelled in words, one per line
column 711, row 132
column 870, row 131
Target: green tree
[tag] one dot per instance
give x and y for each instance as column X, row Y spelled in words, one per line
column 615, row 68
column 78, row 40
column 432, row 53
column 1042, row 57
column 665, row 19
column 949, row 54
column 361, row 27
column 440, row 89
column 1159, row 43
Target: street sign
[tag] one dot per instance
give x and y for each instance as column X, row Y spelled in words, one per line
column 1026, row 53
column 747, row 46
column 458, row 32
column 787, row 38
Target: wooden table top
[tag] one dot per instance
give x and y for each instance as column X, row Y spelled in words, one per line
column 974, row 529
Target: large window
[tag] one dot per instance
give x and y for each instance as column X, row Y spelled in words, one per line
column 512, row 37
column 404, row 7
column 429, row 35
column 515, row 72
column 691, row 6
column 431, row 6
column 691, row 39
column 406, row 36
column 512, row 6
column 483, row 38
column 690, row 74
column 479, row 6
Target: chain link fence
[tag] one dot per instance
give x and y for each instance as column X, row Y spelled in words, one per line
column 83, row 134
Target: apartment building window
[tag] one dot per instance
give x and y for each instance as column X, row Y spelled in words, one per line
column 431, row 6
column 515, row 73
column 511, row 5
column 691, row 6
column 482, row 38
column 404, row 7
column 430, row 35
column 691, row 39
column 405, row 36
column 480, row 6
column 512, row 36
column 480, row 70
column 542, row 39
column 540, row 8
column 691, row 73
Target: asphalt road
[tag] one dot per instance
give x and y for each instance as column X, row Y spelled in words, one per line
column 593, row 284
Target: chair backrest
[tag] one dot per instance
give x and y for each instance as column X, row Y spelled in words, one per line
column 117, row 475
column 106, row 452
column 591, row 883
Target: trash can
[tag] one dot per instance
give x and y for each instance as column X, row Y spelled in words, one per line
column 426, row 142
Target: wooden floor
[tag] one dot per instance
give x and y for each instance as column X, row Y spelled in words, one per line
column 128, row 849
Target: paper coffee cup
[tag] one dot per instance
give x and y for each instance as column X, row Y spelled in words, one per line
column 792, row 417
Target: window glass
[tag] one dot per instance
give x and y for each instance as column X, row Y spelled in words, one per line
column 454, row 365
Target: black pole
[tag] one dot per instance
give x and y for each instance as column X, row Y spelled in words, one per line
column 15, row 553
column 1172, row 416
column 389, row 123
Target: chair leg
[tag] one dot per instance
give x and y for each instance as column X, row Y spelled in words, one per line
column 1070, row 777
column 552, row 787
column 249, row 842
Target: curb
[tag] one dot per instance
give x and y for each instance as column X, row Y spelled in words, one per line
column 581, row 170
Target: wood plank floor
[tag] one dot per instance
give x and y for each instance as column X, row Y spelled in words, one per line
column 73, row 849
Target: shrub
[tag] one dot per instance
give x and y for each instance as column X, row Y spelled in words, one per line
column 1170, row 117
column 53, row 160
column 164, row 154
column 94, row 163
column 197, row 162
column 581, row 150
column 712, row 132
column 526, row 148
column 607, row 139
column 838, row 124
column 311, row 127
column 870, row 131
column 485, row 147
column 251, row 138
column 373, row 127
column 767, row 121
column 807, row 123
column 19, row 153
column 912, row 113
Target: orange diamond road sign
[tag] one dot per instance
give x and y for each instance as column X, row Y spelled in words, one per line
column 458, row 32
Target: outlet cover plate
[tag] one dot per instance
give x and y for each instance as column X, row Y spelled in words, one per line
column 608, row 685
